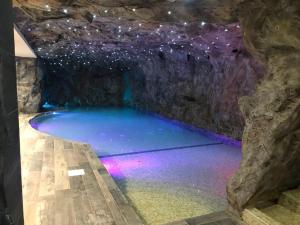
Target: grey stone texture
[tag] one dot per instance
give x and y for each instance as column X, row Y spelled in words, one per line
column 29, row 78
column 202, row 91
column 271, row 139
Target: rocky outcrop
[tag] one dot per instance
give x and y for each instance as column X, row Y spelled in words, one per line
column 271, row 140
column 29, row 78
column 200, row 90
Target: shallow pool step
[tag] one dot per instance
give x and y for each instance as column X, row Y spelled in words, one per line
column 254, row 216
column 291, row 200
column 286, row 212
column 215, row 218
column 282, row 215
column 272, row 215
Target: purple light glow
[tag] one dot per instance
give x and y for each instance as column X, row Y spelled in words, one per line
column 151, row 159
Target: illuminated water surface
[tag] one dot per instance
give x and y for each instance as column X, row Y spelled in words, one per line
column 167, row 171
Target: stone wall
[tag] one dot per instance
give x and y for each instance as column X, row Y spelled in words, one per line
column 11, row 210
column 29, row 78
column 202, row 91
column 81, row 85
column 271, row 140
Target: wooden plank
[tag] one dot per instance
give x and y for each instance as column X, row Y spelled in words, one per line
column 47, row 181
column 79, row 155
column 68, row 145
column 92, row 157
column 80, row 201
column 70, row 159
column 64, row 211
column 45, row 212
column 115, row 211
column 29, row 212
column 60, row 167
column 51, row 197
column 99, row 208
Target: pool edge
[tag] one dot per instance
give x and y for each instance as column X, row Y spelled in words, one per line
column 109, row 188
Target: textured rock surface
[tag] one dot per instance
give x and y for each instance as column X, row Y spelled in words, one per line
column 191, row 71
column 85, row 86
column 148, row 10
column 29, row 78
column 271, row 140
column 201, row 90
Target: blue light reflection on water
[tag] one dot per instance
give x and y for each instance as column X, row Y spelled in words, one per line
column 119, row 130
column 196, row 177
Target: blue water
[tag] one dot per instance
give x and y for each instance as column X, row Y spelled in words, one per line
column 120, row 130
column 168, row 172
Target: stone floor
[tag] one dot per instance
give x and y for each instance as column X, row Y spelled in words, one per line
column 52, row 197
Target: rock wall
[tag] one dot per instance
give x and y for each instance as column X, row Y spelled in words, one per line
column 200, row 86
column 81, row 85
column 271, row 140
column 188, row 69
column 199, row 90
column 29, row 78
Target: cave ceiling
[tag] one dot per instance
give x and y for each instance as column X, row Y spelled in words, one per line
column 87, row 31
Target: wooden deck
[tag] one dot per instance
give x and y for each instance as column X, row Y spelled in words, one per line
column 52, row 197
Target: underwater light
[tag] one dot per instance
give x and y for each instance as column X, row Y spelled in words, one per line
column 46, row 105
column 55, row 113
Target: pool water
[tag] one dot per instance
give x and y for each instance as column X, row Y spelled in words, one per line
column 167, row 171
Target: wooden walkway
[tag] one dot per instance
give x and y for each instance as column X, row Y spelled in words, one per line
column 52, row 197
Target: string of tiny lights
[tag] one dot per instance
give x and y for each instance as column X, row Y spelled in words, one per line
column 88, row 51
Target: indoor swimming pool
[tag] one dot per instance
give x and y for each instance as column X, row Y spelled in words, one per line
column 166, row 170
